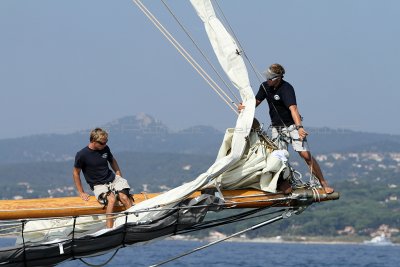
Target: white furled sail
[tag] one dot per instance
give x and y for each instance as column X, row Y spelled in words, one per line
column 232, row 62
column 227, row 52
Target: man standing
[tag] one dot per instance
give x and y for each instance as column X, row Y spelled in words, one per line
column 285, row 118
column 108, row 186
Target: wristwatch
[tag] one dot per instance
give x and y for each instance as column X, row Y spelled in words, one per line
column 299, row 126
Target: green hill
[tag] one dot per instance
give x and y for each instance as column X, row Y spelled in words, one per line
column 363, row 167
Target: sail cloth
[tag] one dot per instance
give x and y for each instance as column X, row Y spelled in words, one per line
column 233, row 64
column 83, row 245
column 259, row 167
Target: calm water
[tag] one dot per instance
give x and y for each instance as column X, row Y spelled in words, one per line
column 255, row 255
column 252, row 254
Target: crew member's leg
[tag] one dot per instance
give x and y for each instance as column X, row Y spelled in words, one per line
column 316, row 170
column 300, row 147
column 122, row 187
column 105, row 197
column 125, row 199
column 110, row 209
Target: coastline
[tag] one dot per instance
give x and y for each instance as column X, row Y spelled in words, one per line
column 283, row 240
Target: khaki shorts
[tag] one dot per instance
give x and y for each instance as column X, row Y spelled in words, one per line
column 282, row 136
column 118, row 184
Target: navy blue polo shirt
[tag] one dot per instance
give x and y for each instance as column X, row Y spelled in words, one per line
column 279, row 100
column 94, row 165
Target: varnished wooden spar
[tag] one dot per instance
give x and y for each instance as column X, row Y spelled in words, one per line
column 75, row 206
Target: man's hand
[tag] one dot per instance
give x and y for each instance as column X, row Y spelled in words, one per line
column 84, row 196
column 302, row 133
column 240, row 107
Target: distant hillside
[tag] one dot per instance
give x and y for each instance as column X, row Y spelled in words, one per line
column 151, row 172
column 367, row 181
column 142, row 133
column 325, row 140
column 155, row 172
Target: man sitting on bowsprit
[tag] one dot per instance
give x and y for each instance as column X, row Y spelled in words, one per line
column 108, row 186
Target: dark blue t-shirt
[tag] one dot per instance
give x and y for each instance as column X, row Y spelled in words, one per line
column 94, row 165
column 279, row 100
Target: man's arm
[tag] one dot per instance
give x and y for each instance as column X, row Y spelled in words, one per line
column 241, row 106
column 115, row 167
column 297, row 121
column 77, row 179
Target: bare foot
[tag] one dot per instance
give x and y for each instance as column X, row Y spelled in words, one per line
column 328, row 189
column 285, row 187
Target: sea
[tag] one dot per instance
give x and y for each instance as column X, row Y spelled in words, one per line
column 252, row 254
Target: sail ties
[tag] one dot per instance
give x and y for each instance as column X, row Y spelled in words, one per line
column 221, row 93
column 23, row 241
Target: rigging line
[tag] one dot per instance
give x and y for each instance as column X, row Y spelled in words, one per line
column 257, row 73
column 11, row 232
column 200, row 50
column 311, row 166
column 255, row 70
column 15, row 226
column 231, row 219
column 186, row 55
column 275, row 219
column 219, row 223
column 102, row 264
column 117, row 215
column 96, row 221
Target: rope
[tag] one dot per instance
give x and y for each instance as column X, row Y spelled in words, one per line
column 125, row 231
column 186, row 55
column 23, row 241
column 275, row 219
column 316, row 195
column 258, row 75
column 200, row 51
column 228, row 220
column 235, row 218
column 102, row 264
column 7, row 229
column 311, row 166
column 226, row 22
column 73, row 239
column 228, row 204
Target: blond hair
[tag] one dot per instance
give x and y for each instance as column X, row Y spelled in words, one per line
column 277, row 69
column 98, row 134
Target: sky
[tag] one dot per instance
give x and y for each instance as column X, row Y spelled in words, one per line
column 72, row 65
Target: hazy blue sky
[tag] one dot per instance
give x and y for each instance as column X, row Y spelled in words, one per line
column 70, row 65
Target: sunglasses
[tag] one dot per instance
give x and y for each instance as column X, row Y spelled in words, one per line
column 273, row 79
column 102, row 143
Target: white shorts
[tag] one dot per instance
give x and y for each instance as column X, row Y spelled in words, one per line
column 282, row 136
column 118, row 184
